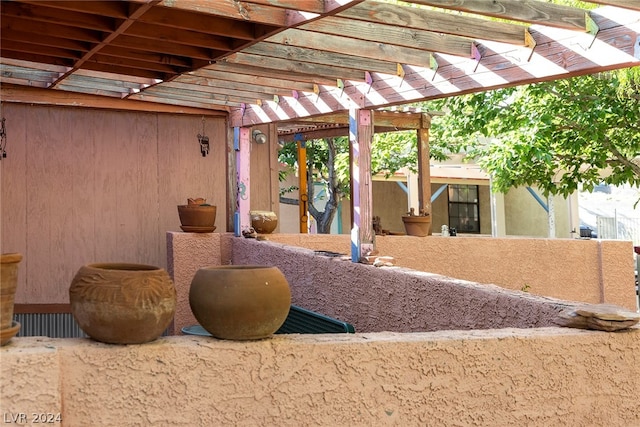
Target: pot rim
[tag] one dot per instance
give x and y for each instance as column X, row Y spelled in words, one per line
column 238, row 267
column 9, row 258
column 197, row 206
column 123, row 266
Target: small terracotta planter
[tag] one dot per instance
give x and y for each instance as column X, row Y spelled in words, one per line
column 121, row 303
column 197, row 218
column 417, row 225
column 264, row 222
column 240, row 302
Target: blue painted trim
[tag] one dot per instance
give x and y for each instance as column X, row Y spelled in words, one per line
column 438, row 192
column 236, row 224
column 538, row 199
column 403, row 186
column 236, row 138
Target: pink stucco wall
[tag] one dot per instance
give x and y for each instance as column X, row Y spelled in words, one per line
column 513, row 368
column 406, row 300
column 591, row 271
column 507, row 377
column 395, row 298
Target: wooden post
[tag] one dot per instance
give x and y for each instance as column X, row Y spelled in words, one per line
column 303, row 194
column 424, row 168
column 360, row 137
column 242, row 146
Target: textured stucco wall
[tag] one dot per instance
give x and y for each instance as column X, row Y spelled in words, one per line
column 534, row 377
column 393, row 298
column 186, row 253
column 591, row 271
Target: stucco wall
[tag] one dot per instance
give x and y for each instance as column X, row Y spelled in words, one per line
column 396, row 299
column 534, row 377
column 592, row 271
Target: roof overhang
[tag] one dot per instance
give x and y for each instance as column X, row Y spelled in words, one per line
column 266, row 61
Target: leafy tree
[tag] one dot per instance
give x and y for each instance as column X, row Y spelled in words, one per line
column 556, row 135
column 328, row 164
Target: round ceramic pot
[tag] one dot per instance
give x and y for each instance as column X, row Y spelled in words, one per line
column 264, row 222
column 8, row 284
column 197, row 218
column 240, row 302
column 121, row 303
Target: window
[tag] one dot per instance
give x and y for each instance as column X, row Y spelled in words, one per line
column 464, row 209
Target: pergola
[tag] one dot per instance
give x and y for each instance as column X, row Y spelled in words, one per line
column 316, row 65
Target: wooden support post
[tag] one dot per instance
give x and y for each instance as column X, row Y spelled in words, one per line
column 360, row 137
column 302, row 187
column 424, row 168
column 242, row 146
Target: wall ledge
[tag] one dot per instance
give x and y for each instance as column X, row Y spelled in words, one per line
column 509, row 376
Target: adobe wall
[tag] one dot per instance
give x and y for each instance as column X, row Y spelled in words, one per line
column 532, row 377
column 591, row 271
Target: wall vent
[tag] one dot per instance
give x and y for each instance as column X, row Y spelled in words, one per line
column 52, row 325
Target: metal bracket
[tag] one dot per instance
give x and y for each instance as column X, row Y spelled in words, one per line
column 529, row 42
column 400, row 72
column 369, row 79
column 433, row 64
column 340, row 84
column 475, row 54
column 592, row 27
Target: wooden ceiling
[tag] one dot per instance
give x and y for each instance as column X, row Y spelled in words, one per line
column 278, row 60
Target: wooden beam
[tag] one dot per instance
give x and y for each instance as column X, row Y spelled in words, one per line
column 225, row 76
column 360, row 137
column 303, row 191
column 438, row 22
column 534, row 12
column 350, row 46
column 360, row 31
column 30, row 95
column 629, row 4
column 322, row 57
column 424, row 170
column 296, row 66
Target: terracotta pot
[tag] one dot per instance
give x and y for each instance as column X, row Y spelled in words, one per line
column 417, row 225
column 240, row 302
column 122, row 303
column 8, row 284
column 197, row 218
column 264, row 222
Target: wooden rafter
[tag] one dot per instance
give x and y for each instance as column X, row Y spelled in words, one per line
column 531, row 11
column 274, row 60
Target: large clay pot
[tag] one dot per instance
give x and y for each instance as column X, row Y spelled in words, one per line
column 8, row 284
column 416, row 225
column 121, row 303
column 197, row 218
column 264, row 222
column 240, row 302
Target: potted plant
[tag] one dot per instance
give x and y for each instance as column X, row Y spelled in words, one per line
column 197, row 216
column 417, row 225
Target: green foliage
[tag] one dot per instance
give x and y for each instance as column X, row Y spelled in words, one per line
column 556, row 135
column 390, row 152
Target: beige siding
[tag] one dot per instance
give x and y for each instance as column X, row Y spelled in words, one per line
column 89, row 185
